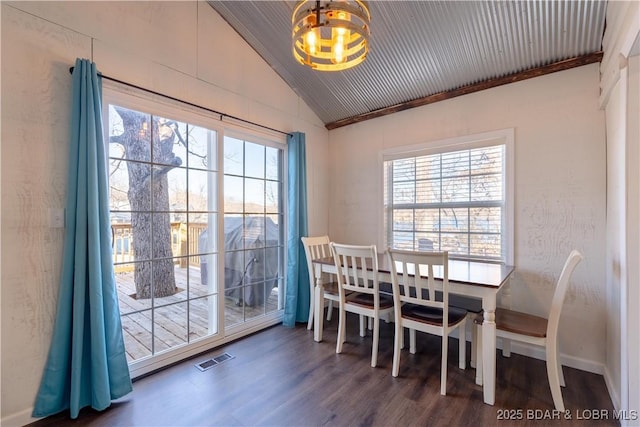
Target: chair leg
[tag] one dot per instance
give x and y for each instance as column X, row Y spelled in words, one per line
column 311, row 310
column 561, row 375
column 374, row 347
column 506, row 347
column 412, row 341
column 553, row 374
column 344, row 330
column 330, row 310
column 443, row 368
column 369, row 323
column 462, row 345
column 363, row 333
column 479, row 359
column 397, row 346
column 341, row 329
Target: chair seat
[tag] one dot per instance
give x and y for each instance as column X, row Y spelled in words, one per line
column 432, row 315
column 331, row 288
column 366, row 300
column 518, row 323
column 332, row 292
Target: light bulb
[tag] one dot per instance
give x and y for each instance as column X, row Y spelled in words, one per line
column 311, row 41
column 338, row 45
column 339, row 37
column 310, row 38
column 338, row 50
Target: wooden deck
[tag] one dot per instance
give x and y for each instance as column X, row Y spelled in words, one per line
column 180, row 318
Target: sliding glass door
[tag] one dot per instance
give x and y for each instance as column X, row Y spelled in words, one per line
column 197, row 227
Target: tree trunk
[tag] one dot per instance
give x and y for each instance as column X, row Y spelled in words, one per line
column 149, row 190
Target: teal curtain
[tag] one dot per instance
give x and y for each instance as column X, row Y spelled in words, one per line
column 86, row 365
column 296, row 308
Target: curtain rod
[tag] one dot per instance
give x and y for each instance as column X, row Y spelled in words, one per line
column 221, row 114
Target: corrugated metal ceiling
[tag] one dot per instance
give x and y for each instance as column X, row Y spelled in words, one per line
column 419, row 48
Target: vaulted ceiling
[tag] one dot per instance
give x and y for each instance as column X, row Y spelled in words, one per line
column 426, row 51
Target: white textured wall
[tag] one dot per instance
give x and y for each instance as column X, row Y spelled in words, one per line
column 181, row 48
column 560, row 184
column 36, row 88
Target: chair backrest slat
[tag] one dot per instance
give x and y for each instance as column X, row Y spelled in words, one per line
column 356, row 267
column 413, row 278
column 315, row 248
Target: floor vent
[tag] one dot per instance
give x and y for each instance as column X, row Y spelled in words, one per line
column 210, row 363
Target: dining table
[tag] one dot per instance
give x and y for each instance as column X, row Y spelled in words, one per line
column 481, row 280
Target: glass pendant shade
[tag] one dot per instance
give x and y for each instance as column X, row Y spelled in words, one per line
column 330, row 35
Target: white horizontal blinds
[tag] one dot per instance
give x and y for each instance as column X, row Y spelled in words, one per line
column 450, row 201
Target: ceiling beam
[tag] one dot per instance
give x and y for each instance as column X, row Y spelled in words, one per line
column 476, row 87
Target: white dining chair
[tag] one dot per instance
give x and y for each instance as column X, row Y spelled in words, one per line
column 316, row 248
column 357, row 268
column 523, row 327
column 416, row 307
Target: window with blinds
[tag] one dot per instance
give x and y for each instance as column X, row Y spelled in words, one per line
column 450, row 201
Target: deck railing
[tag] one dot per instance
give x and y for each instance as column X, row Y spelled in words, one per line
column 184, row 241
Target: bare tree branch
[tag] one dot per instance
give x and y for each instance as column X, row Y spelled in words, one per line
column 112, row 188
column 117, row 165
column 159, row 171
column 176, row 131
column 116, row 139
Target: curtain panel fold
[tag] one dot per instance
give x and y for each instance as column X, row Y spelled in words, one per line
column 297, row 295
column 87, row 364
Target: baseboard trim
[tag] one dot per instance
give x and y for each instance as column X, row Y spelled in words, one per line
column 536, row 352
column 566, row 360
column 613, row 393
column 19, row 419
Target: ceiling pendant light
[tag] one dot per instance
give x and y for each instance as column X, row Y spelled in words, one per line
column 330, row 35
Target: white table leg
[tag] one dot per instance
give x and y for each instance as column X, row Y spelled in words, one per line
column 505, row 301
column 489, row 349
column 318, row 309
column 474, row 341
column 479, row 361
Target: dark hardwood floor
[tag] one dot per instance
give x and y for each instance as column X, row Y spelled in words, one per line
column 281, row 377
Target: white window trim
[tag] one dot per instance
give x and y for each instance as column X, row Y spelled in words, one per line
column 504, row 137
